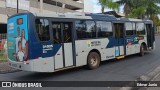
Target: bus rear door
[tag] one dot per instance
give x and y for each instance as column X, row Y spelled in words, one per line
column 120, row 40
column 150, row 35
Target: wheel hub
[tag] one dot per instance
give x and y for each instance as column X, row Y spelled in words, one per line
column 93, row 60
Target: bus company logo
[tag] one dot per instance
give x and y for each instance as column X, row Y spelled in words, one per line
column 47, row 48
column 11, row 26
column 6, row 84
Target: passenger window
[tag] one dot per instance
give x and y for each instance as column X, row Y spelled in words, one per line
column 56, row 32
column 67, row 32
column 85, row 29
column 42, row 29
column 104, row 29
column 130, row 28
column 140, row 28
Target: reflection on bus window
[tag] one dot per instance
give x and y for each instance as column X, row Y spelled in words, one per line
column 130, row 28
column 104, row 29
column 85, row 29
column 42, row 29
column 140, row 28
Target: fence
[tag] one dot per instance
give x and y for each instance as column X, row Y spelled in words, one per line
column 3, row 47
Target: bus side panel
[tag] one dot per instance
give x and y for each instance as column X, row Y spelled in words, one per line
column 131, row 44
column 104, row 46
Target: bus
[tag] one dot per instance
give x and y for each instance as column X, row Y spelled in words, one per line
column 50, row 43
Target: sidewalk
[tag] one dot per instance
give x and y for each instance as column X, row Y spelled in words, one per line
column 156, row 77
column 5, row 68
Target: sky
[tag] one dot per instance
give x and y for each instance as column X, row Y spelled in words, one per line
column 97, row 7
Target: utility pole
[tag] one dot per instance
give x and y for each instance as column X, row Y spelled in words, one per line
column 64, row 6
column 41, row 6
column 57, row 7
column 17, row 6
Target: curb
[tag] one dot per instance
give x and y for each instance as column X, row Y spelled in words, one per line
column 147, row 77
column 5, row 68
column 9, row 71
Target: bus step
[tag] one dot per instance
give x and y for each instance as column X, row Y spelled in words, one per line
column 60, row 69
column 120, row 57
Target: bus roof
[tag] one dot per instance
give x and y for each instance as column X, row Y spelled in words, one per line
column 135, row 20
column 78, row 16
column 86, row 16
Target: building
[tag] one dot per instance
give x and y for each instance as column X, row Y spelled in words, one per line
column 88, row 6
column 9, row 7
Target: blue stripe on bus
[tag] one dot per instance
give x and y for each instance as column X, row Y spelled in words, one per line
column 122, row 41
column 115, row 42
column 132, row 39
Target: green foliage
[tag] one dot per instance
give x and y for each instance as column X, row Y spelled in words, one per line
column 141, row 9
column 112, row 5
column 155, row 20
column 135, row 8
column 109, row 4
column 138, row 12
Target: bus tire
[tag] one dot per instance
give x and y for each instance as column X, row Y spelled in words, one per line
column 93, row 60
column 142, row 49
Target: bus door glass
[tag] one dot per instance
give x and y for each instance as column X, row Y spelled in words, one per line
column 62, row 39
column 150, row 35
column 119, row 36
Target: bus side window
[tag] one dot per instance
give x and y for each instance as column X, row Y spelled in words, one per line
column 130, row 28
column 104, row 29
column 56, row 27
column 85, row 29
column 67, row 32
column 140, row 29
column 42, row 29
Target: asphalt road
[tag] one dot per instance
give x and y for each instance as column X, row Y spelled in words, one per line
column 128, row 69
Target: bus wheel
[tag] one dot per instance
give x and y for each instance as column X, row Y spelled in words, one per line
column 93, row 60
column 142, row 50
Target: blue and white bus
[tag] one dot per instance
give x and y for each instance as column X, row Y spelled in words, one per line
column 49, row 43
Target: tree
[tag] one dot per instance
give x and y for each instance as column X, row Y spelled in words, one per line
column 155, row 20
column 109, row 4
column 138, row 13
column 152, row 9
column 127, row 5
column 140, row 8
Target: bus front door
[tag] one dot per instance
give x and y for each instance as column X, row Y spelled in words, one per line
column 62, row 38
column 150, row 35
column 119, row 39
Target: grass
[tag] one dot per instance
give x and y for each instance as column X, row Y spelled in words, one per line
column 2, row 56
